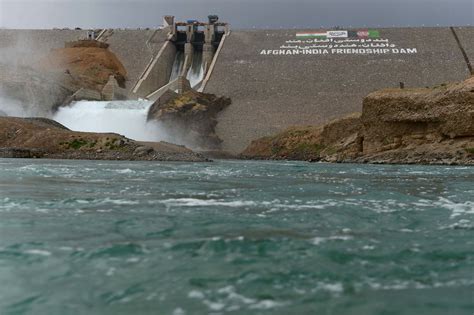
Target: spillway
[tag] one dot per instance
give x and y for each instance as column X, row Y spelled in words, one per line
column 128, row 118
column 178, row 65
column 196, row 71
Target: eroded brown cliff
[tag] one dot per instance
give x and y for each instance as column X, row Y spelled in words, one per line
column 429, row 126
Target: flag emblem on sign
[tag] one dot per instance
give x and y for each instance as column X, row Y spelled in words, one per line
column 312, row 35
column 339, row 34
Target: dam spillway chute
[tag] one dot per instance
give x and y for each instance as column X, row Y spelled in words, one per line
column 178, row 66
column 189, row 51
column 196, row 72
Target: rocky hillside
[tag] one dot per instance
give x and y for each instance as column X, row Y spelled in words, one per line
column 429, row 126
column 39, row 88
column 88, row 64
column 45, row 138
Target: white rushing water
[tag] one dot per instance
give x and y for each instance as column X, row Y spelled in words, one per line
column 195, row 73
column 128, row 118
column 177, row 66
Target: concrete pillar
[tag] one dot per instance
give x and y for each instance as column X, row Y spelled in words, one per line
column 183, row 85
column 207, row 55
column 189, row 33
column 168, row 20
column 170, row 25
column 209, row 34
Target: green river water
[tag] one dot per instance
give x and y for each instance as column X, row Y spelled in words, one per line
column 235, row 237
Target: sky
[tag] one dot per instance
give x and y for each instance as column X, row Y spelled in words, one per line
column 241, row 14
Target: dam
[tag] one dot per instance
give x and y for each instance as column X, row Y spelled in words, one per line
column 275, row 78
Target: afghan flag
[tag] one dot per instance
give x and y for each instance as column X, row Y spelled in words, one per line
column 374, row 34
column 311, row 35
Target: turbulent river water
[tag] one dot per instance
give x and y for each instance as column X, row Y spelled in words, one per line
column 235, row 237
column 128, row 118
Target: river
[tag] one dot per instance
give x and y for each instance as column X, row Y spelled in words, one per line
column 235, row 237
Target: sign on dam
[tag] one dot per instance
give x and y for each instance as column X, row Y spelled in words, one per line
column 338, row 42
column 281, row 78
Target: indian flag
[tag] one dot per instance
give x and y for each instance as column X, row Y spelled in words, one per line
column 311, row 35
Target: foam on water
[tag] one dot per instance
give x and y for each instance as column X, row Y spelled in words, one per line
column 128, row 118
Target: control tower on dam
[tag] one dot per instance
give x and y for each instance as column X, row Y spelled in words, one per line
column 280, row 78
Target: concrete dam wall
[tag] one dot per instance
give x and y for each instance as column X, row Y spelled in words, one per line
column 280, row 78
column 274, row 83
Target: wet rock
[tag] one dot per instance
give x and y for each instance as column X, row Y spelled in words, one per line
column 190, row 117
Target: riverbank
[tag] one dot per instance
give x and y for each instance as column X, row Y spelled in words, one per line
column 45, row 138
column 396, row 126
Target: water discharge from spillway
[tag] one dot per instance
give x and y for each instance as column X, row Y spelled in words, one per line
column 128, row 118
column 195, row 73
column 178, row 66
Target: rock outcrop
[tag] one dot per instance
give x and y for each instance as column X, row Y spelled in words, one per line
column 88, row 64
column 79, row 72
column 428, row 126
column 190, row 117
column 45, row 138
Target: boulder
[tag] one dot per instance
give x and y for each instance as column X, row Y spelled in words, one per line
column 190, row 118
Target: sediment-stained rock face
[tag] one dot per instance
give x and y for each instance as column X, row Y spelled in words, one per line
column 396, row 118
column 430, row 126
column 88, row 64
column 190, row 117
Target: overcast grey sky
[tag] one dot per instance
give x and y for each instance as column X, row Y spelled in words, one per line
column 240, row 13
